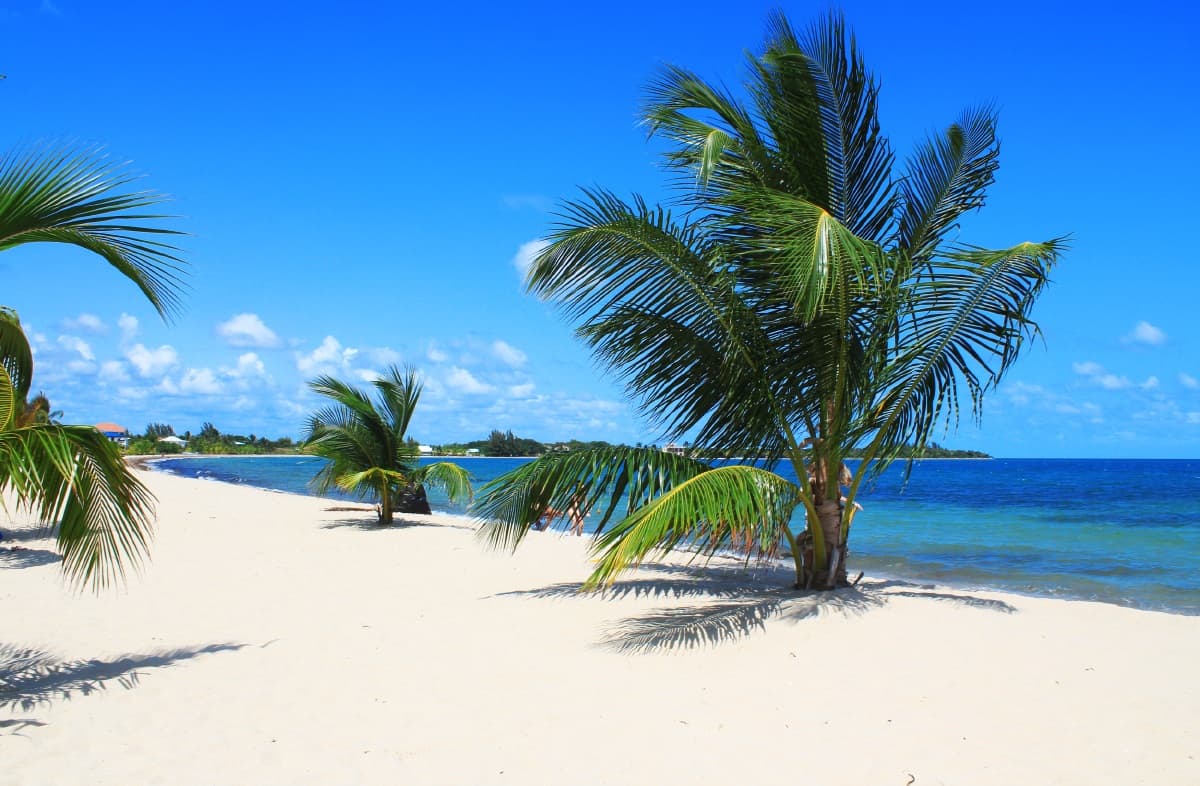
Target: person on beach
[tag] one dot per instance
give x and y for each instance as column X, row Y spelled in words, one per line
column 543, row 521
column 575, row 512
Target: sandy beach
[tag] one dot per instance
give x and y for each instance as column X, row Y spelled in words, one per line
column 271, row 640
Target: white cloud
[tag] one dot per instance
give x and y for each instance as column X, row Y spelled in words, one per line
column 463, row 380
column 328, row 358
column 200, row 380
column 521, row 391
column 508, row 353
column 384, row 356
column 1151, row 383
column 247, row 330
column 128, row 326
column 1145, row 333
column 436, row 355
column 77, row 344
column 1193, row 417
column 1096, row 373
column 1188, row 381
column 86, row 322
column 526, row 254
column 249, row 370
column 195, row 381
column 152, row 362
column 112, row 372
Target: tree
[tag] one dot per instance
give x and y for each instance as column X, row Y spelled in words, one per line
column 73, row 476
column 807, row 301
column 156, row 431
column 365, row 443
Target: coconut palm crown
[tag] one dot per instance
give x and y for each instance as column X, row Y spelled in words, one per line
column 803, row 296
column 72, row 477
column 365, row 443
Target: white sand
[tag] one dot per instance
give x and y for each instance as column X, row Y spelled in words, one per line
column 347, row 654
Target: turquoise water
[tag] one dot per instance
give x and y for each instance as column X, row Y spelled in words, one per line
column 1119, row 531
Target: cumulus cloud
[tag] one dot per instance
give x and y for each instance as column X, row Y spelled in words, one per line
column 1188, row 381
column 521, row 391
column 1151, row 383
column 526, row 254
column 508, row 353
column 464, row 381
column 152, row 362
column 112, row 372
column 328, row 358
column 247, row 330
column 1099, row 376
column 1145, row 333
column 195, row 381
column 436, row 355
column 87, row 322
column 128, row 326
column 76, row 344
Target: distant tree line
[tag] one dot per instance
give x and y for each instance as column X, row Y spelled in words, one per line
column 209, row 440
column 505, row 443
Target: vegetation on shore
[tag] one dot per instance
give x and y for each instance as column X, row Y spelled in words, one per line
column 802, row 300
column 72, row 477
column 209, row 441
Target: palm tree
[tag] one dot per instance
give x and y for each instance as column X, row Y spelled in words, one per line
column 806, row 300
column 73, row 476
column 365, row 443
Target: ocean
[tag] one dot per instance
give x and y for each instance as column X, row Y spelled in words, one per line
column 1112, row 530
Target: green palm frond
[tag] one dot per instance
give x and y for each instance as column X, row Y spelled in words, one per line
column 704, row 509
column 858, row 159
column 72, row 197
column 15, row 353
column 449, row 477
column 75, row 476
column 946, row 177
column 966, row 324
column 608, row 481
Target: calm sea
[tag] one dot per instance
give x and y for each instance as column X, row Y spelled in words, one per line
column 1119, row 531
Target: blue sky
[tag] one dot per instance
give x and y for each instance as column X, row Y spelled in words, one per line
column 359, row 185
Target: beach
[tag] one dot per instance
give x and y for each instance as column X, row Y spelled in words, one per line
column 272, row 639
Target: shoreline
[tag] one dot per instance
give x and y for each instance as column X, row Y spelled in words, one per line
column 1079, row 591
column 279, row 642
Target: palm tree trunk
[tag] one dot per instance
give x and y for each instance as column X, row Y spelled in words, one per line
column 385, row 504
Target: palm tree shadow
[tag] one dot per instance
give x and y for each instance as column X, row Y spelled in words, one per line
column 399, row 523
column 744, row 603
column 735, row 617
column 30, row 678
column 22, row 557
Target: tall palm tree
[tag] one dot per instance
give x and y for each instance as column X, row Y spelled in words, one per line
column 366, row 445
column 72, row 476
column 806, row 300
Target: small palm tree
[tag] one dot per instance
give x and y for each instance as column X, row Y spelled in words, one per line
column 365, row 443
column 808, row 301
column 72, row 476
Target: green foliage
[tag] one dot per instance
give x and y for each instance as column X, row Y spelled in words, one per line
column 366, row 444
column 72, row 477
column 159, row 430
column 803, row 299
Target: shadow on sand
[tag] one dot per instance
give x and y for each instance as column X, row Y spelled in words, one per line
column 370, row 523
column 743, row 603
column 22, row 557
column 30, row 678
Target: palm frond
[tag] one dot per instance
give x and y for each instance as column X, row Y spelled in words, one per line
column 705, row 509
column 449, row 477
column 946, row 177
column 858, row 159
column 965, row 325
column 75, row 477
column 72, row 197
column 604, row 481
column 15, row 353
